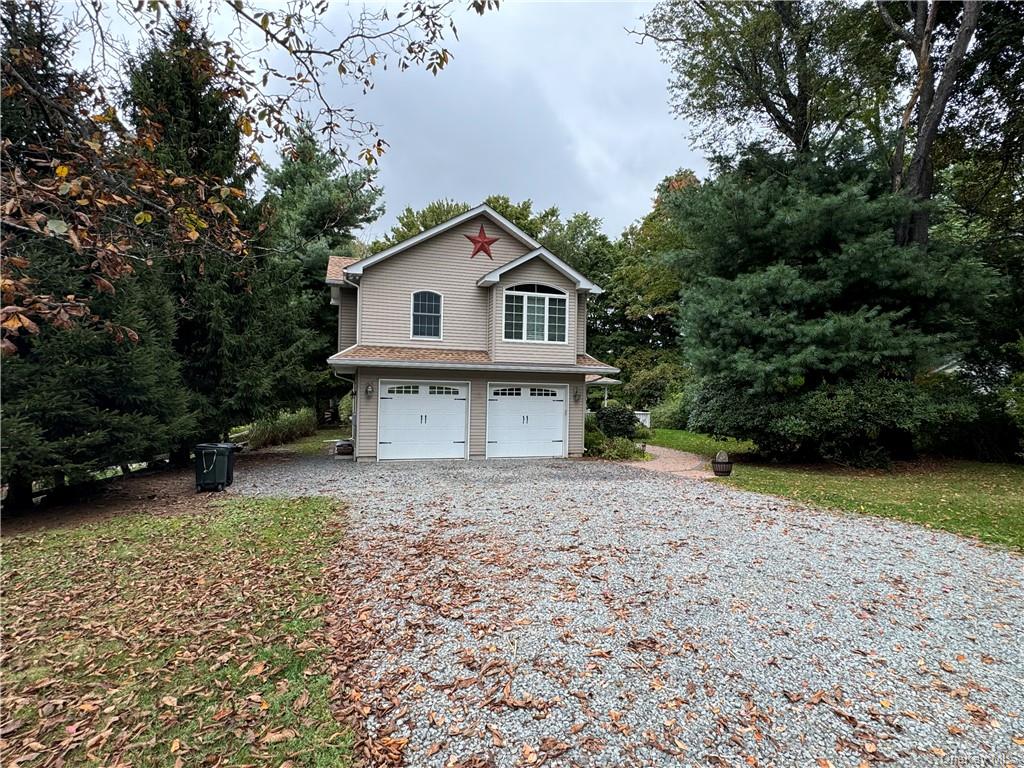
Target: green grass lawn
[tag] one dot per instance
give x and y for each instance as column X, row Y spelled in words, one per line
column 972, row 498
column 967, row 497
column 184, row 639
column 317, row 442
column 692, row 442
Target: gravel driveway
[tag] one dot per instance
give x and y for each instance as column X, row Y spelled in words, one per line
column 586, row 613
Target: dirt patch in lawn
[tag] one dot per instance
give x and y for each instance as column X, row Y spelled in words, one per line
column 161, row 492
column 168, row 491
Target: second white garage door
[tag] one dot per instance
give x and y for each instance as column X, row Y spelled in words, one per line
column 526, row 420
column 422, row 420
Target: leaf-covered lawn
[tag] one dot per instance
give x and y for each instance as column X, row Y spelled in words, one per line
column 703, row 445
column 972, row 498
column 189, row 639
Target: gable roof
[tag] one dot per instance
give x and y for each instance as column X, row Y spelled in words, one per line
column 480, row 210
column 336, row 266
column 582, row 284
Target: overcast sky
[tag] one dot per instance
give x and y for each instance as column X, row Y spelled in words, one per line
column 549, row 101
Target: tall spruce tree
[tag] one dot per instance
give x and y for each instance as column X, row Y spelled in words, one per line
column 104, row 392
column 239, row 317
column 810, row 325
column 313, row 209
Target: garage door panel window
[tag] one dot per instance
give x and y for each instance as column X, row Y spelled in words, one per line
column 540, row 392
column 426, row 315
column 536, row 313
column 439, row 390
column 404, row 389
column 508, row 392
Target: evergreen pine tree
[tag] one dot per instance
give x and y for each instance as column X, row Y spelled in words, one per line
column 314, row 208
column 810, row 327
column 101, row 393
column 239, row 318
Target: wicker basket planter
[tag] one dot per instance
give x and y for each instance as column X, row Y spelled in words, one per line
column 721, row 465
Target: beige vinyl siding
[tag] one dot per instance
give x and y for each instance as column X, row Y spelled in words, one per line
column 366, row 407
column 535, row 271
column 581, row 323
column 346, row 319
column 440, row 264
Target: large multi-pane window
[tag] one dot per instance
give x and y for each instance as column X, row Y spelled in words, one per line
column 426, row 315
column 534, row 312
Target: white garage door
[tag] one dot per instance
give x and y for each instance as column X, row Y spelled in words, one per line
column 526, row 420
column 422, row 420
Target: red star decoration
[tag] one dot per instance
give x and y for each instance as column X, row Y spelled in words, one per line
column 481, row 243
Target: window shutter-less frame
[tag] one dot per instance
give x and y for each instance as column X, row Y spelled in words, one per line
column 535, row 312
column 426, row 315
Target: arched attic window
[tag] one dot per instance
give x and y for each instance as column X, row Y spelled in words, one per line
column 427, row 308
column 535, row 312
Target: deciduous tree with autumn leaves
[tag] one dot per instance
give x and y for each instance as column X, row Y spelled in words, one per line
column 133, row 248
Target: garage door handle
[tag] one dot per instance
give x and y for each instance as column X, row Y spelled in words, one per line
column 459, row 442
column 384, row 442
column 492, row 442
column 556, row 441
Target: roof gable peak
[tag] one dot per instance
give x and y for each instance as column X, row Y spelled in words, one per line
column 480, row 210
column 582, row 283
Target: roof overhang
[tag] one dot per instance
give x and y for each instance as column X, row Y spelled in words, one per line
column 349, row 365
column 582, row 284
column 603, row 381
column 480, row 210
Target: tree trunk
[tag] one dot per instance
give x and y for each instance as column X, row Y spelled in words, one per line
column 19, row 493
column 931, row 100
column 180, row 455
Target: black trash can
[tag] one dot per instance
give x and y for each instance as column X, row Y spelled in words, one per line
column 233, row 449
column 214, row 466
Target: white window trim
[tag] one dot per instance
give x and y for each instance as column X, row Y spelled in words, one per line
column 412, row 299
column 561, row 294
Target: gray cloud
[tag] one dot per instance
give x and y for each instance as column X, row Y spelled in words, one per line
column 552, row 101
column 547, row 101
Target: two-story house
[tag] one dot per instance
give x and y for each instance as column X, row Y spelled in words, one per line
column 468, row 340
